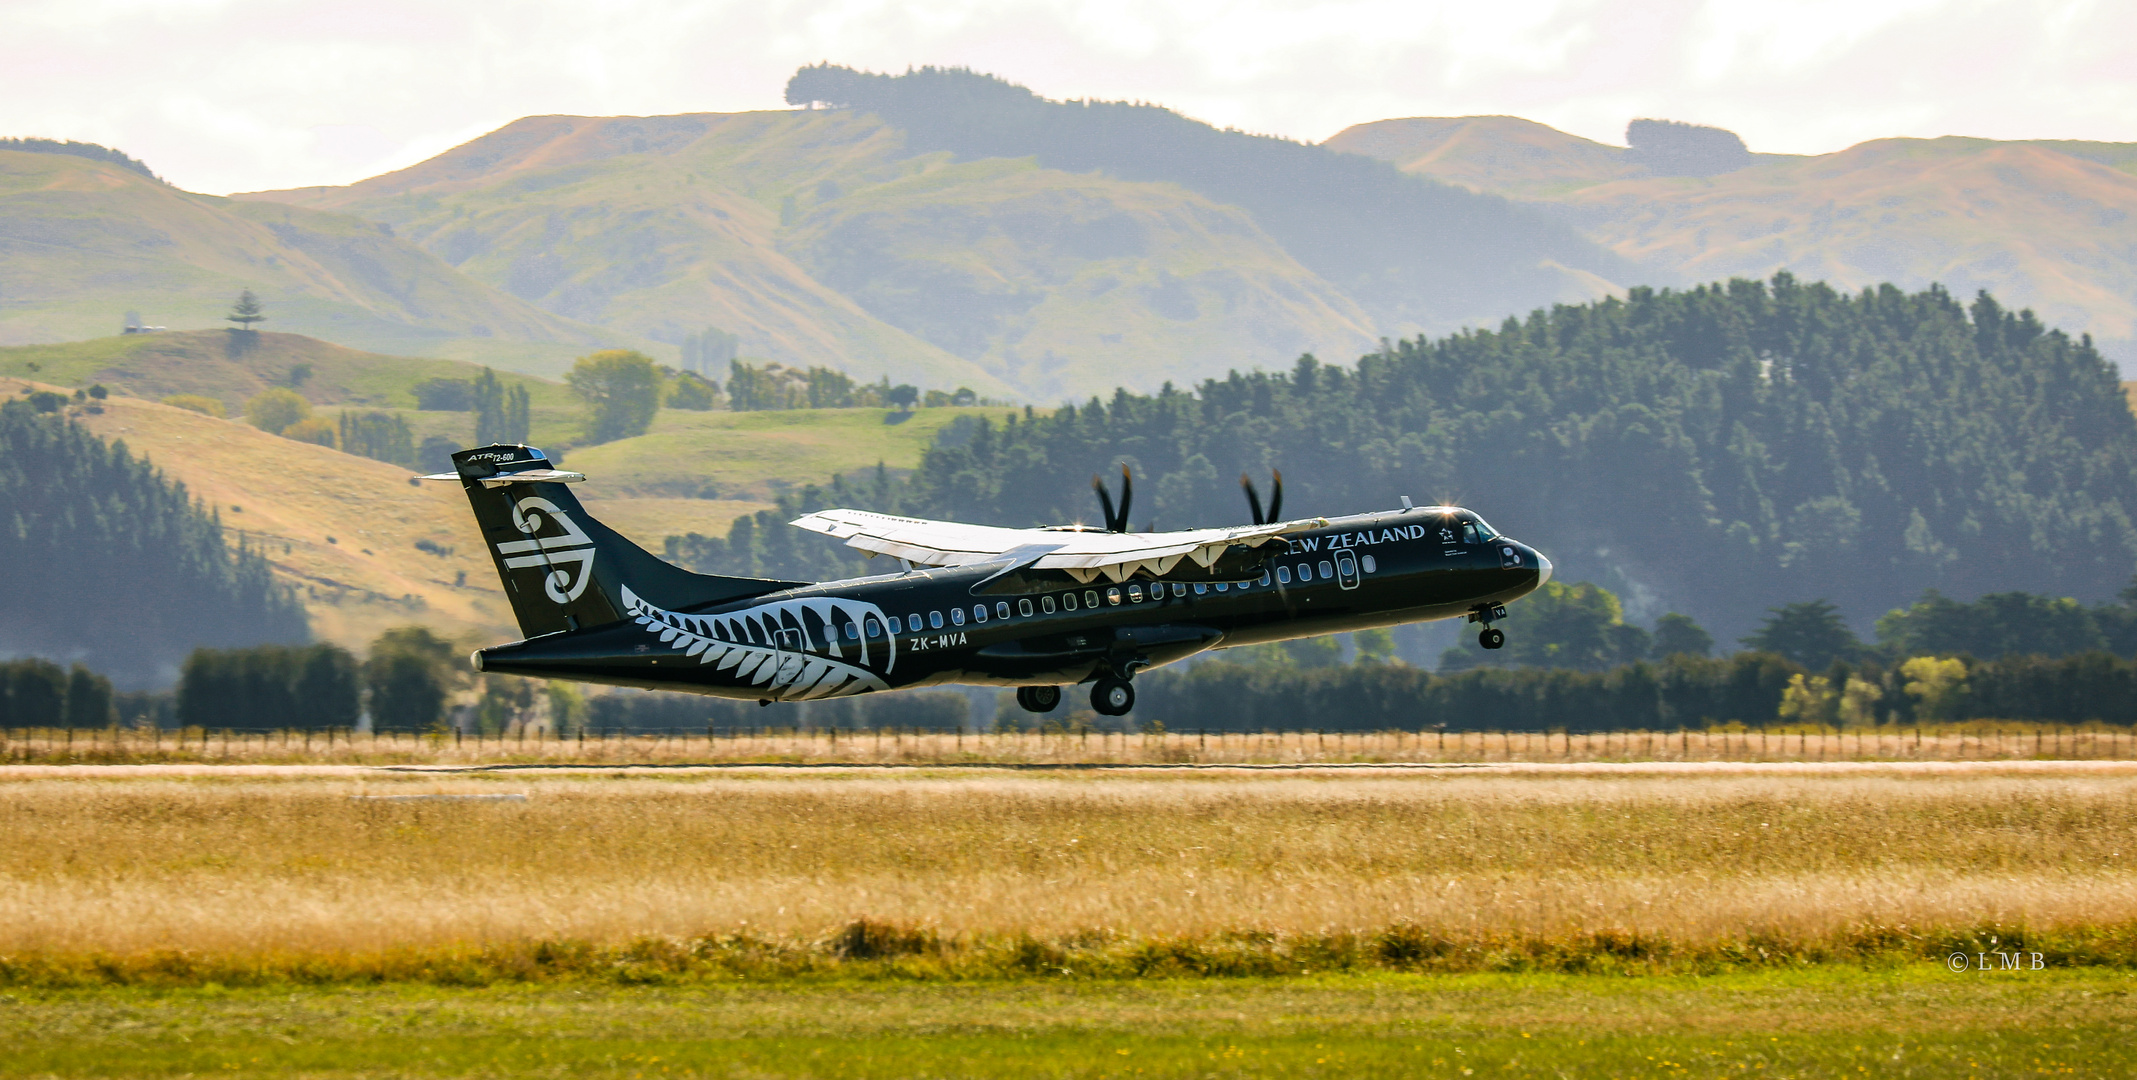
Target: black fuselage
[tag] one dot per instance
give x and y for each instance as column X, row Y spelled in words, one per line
column 978, row 625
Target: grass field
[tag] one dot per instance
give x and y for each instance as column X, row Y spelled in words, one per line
column 232, row 366
column 756, row 455
column 239, row 921
column 1916, row 1022
column 300, row 869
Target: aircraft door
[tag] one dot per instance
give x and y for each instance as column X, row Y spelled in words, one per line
column 1346, row 569
column 791, row 646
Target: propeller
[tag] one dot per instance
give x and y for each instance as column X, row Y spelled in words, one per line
column 1115, row 522
column 1276, row 497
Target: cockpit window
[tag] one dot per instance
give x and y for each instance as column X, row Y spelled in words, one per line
column 1469, row 533
column 1484, row 529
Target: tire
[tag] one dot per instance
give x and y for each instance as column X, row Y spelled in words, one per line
column 1492, row 638
column 1112, row 697
column 1039, row 699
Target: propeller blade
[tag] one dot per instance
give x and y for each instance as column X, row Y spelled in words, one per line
column 1253, row 501
column 1105, row 502
column 1276, row 496
column 1127, row 493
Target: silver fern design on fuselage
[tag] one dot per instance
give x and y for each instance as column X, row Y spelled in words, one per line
column 791, row 648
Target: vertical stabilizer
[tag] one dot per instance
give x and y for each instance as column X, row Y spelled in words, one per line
column 563, row 570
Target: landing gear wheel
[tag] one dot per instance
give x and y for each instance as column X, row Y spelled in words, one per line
column 1491, row 638
column 1112, row 697
column 1039, row 699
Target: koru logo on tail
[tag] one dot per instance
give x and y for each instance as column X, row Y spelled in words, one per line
column 561, row 555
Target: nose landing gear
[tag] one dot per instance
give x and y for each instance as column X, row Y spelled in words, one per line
column 1490, row 637
column 1039, row 699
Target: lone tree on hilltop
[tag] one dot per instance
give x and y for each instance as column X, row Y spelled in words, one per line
column 246, row 311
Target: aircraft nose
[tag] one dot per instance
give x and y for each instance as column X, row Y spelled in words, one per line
column 1543, row 569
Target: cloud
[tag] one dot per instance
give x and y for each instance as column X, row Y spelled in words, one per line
column 224, row 95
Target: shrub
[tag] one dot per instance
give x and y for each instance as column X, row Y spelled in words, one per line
column 206, row 406
column 274, row 410
column 312, row 429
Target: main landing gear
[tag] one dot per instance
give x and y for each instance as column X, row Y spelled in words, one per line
column 1039, row 699
column 1491, row 637
column 1112, row 696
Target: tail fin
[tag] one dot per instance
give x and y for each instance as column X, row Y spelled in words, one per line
column 563, row 570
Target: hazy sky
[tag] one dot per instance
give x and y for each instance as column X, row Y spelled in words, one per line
column 227, row 95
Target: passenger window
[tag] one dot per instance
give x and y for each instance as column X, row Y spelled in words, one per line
column 935, row 619
column 1367, row 562
column 1283, row 575
column 1113, row 596
column 1001, row 608
column 979, row 613
column 1200, row 588
column 957, row 616
column 875, row 629
column 1024, row 608
column 853, row 633
column 1224, row 586
column 1265, row 577
column 1046, row 604
column 913, row 621
column 1090, row 599
column 1305, row 571
column 1327, row 570
column 1179, row 589
column 1135, row 594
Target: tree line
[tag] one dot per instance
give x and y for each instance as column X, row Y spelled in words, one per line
column 1580, row 625
column 1715, row 451
column 405, row 684
column 40, row 693
column 1755, row 689
column 1719, row 450
column 92, row 151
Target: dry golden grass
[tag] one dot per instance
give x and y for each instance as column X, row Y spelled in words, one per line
column 302, row 866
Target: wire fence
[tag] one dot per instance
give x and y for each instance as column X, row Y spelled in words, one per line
column 1060, row 747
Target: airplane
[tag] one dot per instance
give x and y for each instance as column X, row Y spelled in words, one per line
column 1035, row 609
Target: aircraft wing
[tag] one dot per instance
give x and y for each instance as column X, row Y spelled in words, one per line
column 1085, row 555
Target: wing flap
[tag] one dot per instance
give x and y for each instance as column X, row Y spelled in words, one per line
column 1084, row 555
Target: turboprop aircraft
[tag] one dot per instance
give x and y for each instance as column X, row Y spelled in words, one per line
column 1036, row 609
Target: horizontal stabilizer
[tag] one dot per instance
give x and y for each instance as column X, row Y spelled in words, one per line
column 526, row 476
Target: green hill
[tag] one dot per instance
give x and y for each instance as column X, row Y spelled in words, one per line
column 661, row 227
column 82, row 242
column 231, row 366
column 2050, row 225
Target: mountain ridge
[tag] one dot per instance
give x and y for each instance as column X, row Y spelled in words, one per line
column 2045, row 224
